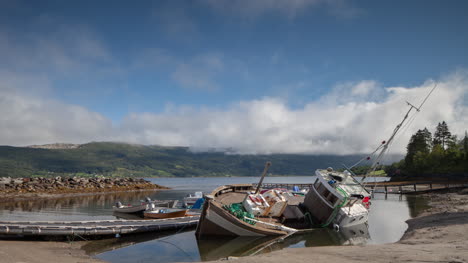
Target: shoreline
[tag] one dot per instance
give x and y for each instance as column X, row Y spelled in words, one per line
column 435, row 235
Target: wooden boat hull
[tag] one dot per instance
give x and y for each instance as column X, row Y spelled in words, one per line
column 156, row 215
column 215, row 221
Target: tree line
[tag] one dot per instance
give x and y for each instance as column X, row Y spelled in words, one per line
column 441, row 153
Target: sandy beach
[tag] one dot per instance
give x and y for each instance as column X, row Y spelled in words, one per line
column 439, row 234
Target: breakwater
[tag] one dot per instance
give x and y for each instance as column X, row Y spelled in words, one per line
column 60, row 185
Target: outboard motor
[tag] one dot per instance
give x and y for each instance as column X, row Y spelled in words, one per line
column 118, row 204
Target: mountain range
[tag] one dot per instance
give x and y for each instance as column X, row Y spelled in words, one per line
column 122, row 159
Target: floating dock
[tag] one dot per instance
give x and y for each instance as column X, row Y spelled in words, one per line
column 93, row 228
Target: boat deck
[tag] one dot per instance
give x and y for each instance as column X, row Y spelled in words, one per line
column 237, row 197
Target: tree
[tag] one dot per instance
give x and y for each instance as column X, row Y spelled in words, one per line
column 420, row 142
column 427, row 138
column 442, row 135
column 464, row 144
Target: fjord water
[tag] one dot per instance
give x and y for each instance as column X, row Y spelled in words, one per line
column 386, row 223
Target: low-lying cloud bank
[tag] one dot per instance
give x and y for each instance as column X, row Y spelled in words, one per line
column 352, row 118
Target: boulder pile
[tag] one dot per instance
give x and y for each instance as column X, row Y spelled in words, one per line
column 73, row 184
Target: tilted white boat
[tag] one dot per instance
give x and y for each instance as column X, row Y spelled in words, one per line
column 337, row 198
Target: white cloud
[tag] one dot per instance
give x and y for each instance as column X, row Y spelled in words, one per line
column 27, row 120
column 348, row 124
column 269, row 125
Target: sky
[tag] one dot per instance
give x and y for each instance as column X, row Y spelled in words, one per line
column 264, row 76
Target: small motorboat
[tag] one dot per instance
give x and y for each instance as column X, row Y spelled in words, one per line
column 144, row 205
column 119, row 207
column 164, row 212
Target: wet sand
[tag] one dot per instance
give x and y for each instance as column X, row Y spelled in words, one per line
column 43, row 252
column 439, row 234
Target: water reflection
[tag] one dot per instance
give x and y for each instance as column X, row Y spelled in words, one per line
column 214, row 248
column 70, row 208
column 417, row 204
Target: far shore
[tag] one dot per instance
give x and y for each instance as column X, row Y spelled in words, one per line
column 15, row 197
column 436, row 235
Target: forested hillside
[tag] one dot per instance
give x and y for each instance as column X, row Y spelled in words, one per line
column 120, row 159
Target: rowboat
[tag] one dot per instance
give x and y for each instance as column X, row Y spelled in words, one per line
column 163, row 212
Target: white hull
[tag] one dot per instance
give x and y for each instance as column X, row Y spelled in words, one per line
column 337, row 202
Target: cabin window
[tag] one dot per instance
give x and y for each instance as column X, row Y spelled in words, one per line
column 316, row 183
column 321, row 188
column 325, row 192
column 332, row 198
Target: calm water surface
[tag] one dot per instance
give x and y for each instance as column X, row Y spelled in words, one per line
column 386, row 223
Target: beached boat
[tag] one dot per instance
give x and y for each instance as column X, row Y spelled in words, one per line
column 163, row 212
column 240, row 210
column 337, row 198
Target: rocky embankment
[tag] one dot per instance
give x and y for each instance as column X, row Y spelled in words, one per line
column 14, row 187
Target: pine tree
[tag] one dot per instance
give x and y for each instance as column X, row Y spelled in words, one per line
column 442, row 135
column 419, row 143
column 465, row 145
column 428, row 138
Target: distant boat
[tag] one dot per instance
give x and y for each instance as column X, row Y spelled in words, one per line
column 119, row 207
column 145, row 205
column 163, row 212
column 191, row 199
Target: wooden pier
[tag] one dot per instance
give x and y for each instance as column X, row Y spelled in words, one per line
column 413, row 187
column 93, row 228
column 284, row 186
column 387, row 187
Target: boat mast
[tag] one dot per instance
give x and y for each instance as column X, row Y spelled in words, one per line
column 267, row 165
column 395, row 131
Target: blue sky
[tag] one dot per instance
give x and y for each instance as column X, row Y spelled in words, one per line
column 184, row 60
